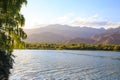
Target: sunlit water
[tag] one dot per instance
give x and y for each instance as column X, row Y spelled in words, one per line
column 66, row 65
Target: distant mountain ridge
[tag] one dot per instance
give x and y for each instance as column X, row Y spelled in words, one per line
column 108, row 38
column 68, row 34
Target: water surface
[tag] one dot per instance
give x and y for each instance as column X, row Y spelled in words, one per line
column 66, row 65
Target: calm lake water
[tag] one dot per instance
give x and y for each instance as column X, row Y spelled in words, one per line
column 66, row 65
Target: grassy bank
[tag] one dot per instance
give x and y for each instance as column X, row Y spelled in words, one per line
column 80, row 46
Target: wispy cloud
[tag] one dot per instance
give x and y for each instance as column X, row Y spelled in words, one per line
column 93, row 21
column 112, row 25
column 65, row 19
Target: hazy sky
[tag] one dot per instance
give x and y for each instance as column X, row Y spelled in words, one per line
column 91, row 13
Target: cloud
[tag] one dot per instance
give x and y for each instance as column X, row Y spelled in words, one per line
column 94, row 21
column 112, row 25
column 65, row 19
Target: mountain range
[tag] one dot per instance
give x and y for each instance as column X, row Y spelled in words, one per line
column 68, row 34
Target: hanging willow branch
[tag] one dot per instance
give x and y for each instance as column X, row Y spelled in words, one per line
column 11, row 33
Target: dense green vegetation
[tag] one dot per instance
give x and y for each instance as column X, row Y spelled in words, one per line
column 11, row 33
column 80, row 46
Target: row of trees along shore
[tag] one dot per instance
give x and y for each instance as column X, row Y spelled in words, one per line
column 80, row 46
column 11, row 33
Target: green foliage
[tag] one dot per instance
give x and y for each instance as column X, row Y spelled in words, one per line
column 80, row 46
column 116, row 47
column 11, row 21
column 11, row 33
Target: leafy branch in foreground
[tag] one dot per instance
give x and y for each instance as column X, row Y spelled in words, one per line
column 11, row 33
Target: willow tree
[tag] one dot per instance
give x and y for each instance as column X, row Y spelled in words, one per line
column 11, row 33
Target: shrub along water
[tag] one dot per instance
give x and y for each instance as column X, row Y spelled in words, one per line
column 6, row 63
column 80, row 46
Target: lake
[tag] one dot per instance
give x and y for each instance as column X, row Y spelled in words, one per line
column 65, row 65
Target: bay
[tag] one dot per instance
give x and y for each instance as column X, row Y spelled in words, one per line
column 65, row 65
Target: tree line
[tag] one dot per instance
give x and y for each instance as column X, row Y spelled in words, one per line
column 80, row 46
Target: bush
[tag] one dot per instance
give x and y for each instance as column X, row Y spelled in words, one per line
column 6, row 63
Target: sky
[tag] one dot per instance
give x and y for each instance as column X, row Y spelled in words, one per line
column 89, row 13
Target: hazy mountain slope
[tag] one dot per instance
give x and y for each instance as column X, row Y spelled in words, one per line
column 112, row 30
column 108, row 38
column 81, row 40
column 64, row 33
column 45, row 37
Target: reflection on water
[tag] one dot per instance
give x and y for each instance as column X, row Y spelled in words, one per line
column 66, row 65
